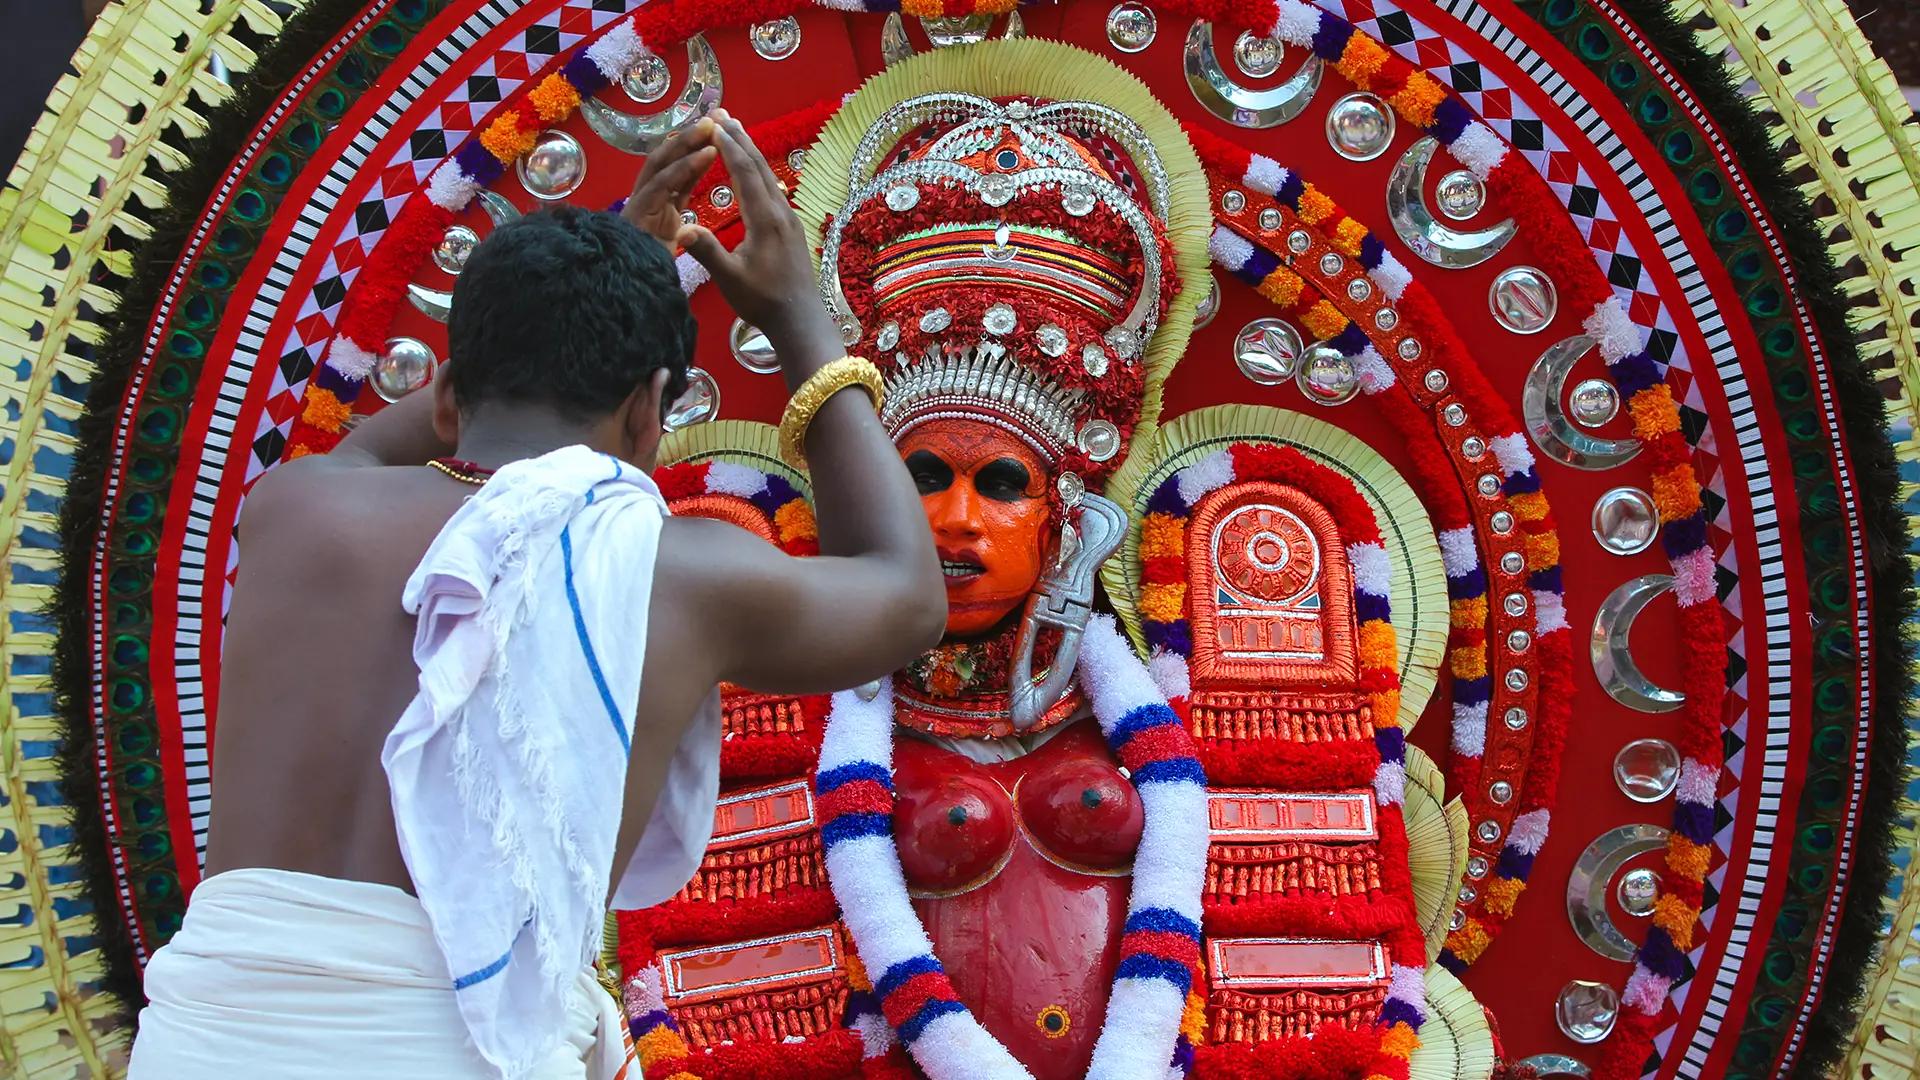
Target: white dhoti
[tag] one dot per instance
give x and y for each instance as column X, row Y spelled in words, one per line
column 292, row 976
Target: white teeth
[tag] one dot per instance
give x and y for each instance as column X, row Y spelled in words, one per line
column 957, row 569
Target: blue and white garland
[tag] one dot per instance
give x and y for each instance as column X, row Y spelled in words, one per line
column 1160, row 946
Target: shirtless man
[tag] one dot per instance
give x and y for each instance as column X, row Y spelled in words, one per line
column 582, row 338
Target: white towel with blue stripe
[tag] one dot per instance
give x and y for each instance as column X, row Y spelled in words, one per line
column 508, row 768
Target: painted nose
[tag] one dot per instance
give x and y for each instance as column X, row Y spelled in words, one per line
column 955, row 512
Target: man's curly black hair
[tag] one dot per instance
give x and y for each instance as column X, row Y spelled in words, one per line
column 568, row 308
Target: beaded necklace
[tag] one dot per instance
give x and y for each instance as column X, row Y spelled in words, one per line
column 466, row 472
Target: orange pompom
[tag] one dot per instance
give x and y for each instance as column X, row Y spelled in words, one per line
column 1468, row 613
column 1282, row 287
column 1688, row 859
column 1315, row 207
column 1676, row 492
column 1676, row 917
column 1163, row 603
column 554, row 99
column 1399, row 1041
column 1470, row 940
column 1377, row 646
column 795, row 521
column 1529, row 505
column 324, row 411
column 1500, row 894
column 1347, row 236
column 1193, row 1022
column 1469, row 662
column 506, row 139
column 1362, row 60
column 662, row 1042
column 1323, row 320
column 1543, row 550
column 1418, row 99
column 1654, row 412
column 1385, row 705
column 1163, row 536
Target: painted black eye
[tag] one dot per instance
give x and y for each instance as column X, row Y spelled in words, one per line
column 1006, row 159
column 1003, row 480
column 930, row 474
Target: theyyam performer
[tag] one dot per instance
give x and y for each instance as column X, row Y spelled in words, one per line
column 1015, row 827
column 550, row 658
column 1424, row 579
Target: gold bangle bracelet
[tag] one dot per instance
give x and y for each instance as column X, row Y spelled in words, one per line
column 804, row 405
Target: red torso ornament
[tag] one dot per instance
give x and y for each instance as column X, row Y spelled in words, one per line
column 1019, row 870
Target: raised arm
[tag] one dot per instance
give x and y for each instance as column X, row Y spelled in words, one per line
column 874, row 599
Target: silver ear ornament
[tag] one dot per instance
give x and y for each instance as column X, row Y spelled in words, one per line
column 1064, row 601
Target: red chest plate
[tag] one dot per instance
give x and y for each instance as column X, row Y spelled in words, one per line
column 1020, row 871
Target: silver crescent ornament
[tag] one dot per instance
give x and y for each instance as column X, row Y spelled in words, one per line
column 1416, row 226
column 1209, row 305
column 1610, row 649
column 1244, row 106
column 639, row 133
column 1593, row 875
column 1548, row 424
column 435, row 304
column 498, row 209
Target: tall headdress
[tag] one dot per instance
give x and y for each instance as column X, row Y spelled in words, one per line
column 1005, row 230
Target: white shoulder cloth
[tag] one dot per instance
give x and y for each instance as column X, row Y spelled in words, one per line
column 508, row 768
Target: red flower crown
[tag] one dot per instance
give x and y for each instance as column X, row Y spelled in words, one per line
column 1008, row 261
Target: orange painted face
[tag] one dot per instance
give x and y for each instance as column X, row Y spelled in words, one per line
column 985, row 495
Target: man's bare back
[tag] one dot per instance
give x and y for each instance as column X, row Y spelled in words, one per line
column 318, row 661
column 329, row 543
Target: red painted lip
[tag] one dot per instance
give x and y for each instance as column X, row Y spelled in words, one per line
column 970, row 605
column 964, row 556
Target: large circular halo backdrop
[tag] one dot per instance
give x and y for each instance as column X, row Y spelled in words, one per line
column 1589, row 313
